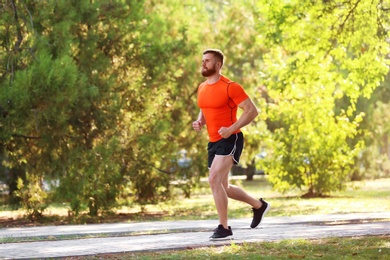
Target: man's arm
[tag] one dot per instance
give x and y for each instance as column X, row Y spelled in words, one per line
column 249, row 113
column 201, row 118
column 201, row 121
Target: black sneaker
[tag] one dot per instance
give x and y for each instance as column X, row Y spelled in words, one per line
column 220, row 233
column 258, row 214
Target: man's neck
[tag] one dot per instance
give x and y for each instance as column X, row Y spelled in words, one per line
column 213, row 78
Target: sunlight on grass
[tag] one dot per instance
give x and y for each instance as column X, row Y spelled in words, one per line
column 366, row 196
column 330, row 248
column 363, row 196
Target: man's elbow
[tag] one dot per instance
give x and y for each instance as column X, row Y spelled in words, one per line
column 255, row 113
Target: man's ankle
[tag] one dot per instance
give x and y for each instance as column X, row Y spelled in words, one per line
column 225, row 226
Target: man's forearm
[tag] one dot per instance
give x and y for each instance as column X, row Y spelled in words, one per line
column 245, row 119
column 201, row 118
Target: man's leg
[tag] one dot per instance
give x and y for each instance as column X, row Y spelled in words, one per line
column 260, row 207
column 219, row 174
column 236, row 193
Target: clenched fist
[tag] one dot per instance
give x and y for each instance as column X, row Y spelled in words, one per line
column 197, row 126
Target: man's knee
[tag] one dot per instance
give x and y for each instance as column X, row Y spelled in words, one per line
column 214, row 179
column 218, row 179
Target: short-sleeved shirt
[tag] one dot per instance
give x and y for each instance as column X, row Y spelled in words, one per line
column 219, row 102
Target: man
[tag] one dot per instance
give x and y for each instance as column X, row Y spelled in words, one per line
column 218, row 100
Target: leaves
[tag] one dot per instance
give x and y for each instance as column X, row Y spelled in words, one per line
column 315, row 59
column 102, row 95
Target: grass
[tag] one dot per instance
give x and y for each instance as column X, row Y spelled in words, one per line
column 367, row 196
column 330, row 248
column 364, row 196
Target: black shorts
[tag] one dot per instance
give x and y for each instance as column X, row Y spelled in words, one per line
column 232, row 145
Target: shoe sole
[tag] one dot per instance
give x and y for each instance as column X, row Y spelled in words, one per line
column 222, row 238
column 265, row 212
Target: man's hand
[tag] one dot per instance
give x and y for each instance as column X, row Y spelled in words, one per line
column 197, row 126
column 225, row 132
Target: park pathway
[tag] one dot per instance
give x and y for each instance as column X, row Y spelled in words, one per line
column 79, row 240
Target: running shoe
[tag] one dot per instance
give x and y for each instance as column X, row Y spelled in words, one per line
column 259, row 213
column 220, row 233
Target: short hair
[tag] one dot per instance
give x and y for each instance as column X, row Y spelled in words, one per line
column 217, row 53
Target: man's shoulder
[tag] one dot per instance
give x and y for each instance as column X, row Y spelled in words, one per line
column 225, row 80
column 230, row 83
column 202, row 85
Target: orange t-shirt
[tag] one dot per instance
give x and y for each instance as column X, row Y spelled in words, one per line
column 218, row 103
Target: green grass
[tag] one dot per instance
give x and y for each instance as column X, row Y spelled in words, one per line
column 363, row 196
column 367, row 196
column 330, row 248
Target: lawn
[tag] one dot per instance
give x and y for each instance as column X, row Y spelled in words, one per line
column 332, row 248
column 362, row 196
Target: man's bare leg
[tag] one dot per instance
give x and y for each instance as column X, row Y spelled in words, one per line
column 236, row 193
column 219, row 174
column 260, row 207
column 222, row 190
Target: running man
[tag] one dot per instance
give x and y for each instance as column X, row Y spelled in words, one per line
column 218, row 100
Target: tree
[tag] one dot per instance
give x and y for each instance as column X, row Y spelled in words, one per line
column 374, row 160
column 81, row 90
column 319, row 54
column 58, row 115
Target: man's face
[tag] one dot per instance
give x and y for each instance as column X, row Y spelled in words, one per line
column 209, row 65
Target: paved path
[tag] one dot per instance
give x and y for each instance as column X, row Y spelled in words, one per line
column 145, row 236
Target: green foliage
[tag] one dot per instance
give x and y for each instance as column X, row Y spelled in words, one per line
column 317, row 55
column 32, row 197
column 101, row 95
column 95, row 181
column 374, row 161
column 95, row 100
